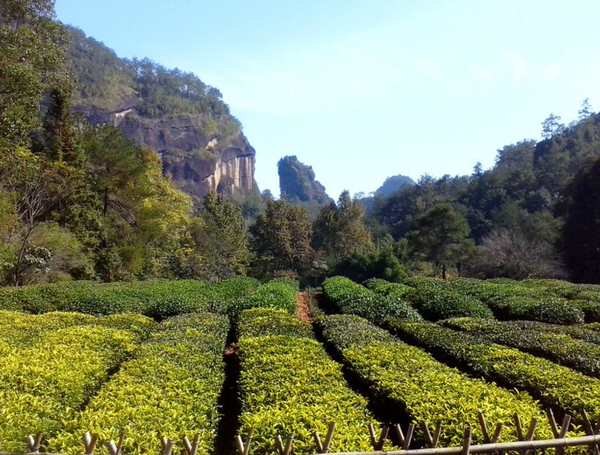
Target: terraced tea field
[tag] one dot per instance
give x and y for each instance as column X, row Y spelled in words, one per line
column 146, row 360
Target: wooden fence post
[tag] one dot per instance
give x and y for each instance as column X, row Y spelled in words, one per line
column 405, row 440
column 243, row 449
column 33, row 444
column 89, row 442
column 324, row 448
column 377, row 444
column 115, row 449
column 191, row 448
column 466, row 441
column 287, row 449
column 167, row 446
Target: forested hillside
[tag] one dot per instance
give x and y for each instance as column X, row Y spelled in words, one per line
column 88, row 196
column 81, row 200
column 514, row 211
column 185, row 120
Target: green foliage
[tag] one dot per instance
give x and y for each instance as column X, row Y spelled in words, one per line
column 288, row 384
column 379, row 260
column 157, row 299
column 22, row 329
column 258, row 322
column 440, row 236
column 224, row 293
column 344, row 331
column 278, row 293
column 379, row 309
column 348, row 297
column 539, row 340
column 339, row 288
column 220, row 239
column 511, row 301
column 554, row 385
column 169, row 389
column 423, row 388
column 339, row 230
column 43, row 384
column 435, row 301
column 384, row 287
column 281, row 240
column 110, row 83
column 580, row 232
column 32, row 58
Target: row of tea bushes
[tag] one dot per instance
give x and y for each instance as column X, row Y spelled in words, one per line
column 435, row 301
column 157, row 299
column 558, row 347
column 44, row 383
column 345, row 296
column 422, row 388
column 554, row 385
column 23, row 329
column 220, row 296
column 580, row 331
column 384, row 287
column 511, row 301
column 279, row 293
column 288, row 384
column 169, row 389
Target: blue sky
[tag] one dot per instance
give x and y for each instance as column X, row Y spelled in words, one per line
column 362, row 90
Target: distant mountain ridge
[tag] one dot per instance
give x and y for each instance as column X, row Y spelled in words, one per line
column 186, row 121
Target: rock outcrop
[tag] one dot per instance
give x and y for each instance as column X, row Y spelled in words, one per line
column 297, row 181
column 184, row 120
column 394, row 184
column 197, row 163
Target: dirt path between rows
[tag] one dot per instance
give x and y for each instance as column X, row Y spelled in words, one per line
column 303, row 307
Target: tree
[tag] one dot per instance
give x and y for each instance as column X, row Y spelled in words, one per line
column 586, row 109
column 220, row 238
column 580, row 235
column 339, row 229
column 34, row 189
column 281, row 240
column 376, row 261
column 32, row 58
column 441, row 236
column 509, row 254
column 552, row 126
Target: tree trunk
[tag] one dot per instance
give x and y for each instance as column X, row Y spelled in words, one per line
column 105, row 210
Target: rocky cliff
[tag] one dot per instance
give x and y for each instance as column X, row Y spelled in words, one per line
column 197, row 162
column 175, row 113
column 297, row 181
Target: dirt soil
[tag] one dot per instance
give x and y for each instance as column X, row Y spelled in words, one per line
column 231, row 350
column 303, row 307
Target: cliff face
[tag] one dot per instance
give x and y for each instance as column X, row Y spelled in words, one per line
column 175, row 113
column 197, row 162
column 297, row 181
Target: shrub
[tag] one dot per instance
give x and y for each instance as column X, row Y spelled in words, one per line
column 169, row 389
column 279, row 293
column 43, row 384
column 288, row 384
column 422, row 388
column 558, row 347
column 347, row 297
column 554, row 385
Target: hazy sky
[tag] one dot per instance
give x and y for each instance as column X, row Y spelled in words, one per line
column 362, row 90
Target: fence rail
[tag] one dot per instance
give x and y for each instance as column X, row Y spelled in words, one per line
column 523, row 445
